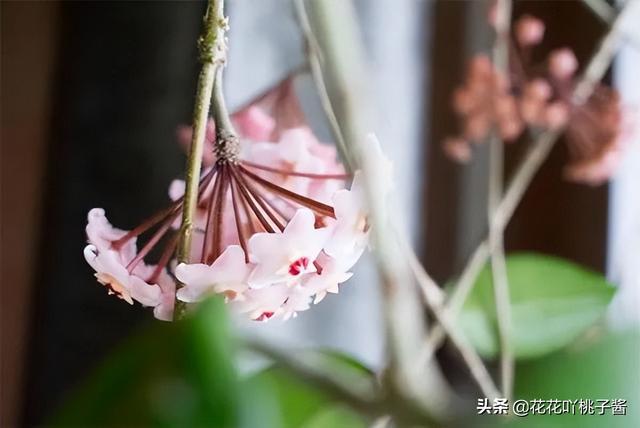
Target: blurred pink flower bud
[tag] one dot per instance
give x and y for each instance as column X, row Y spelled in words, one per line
column 529, row 30
column 556, row 115
column 510, row 128
column 463, row 101
column 595, row 136
column 492, row 15
column 477, row 127
column 184, row 134
column 538, row 89
column 530, row 109
column 562, row 63
column 457, row 149
column 480, row 67
column 254, row 123
column 593, row 172
column 505, row 106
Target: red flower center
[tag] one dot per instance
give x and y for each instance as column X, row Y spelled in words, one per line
column 264, row 316
column 298, row 266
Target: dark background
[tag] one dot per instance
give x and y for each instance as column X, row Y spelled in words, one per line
column 91, row 97
column 121, row 79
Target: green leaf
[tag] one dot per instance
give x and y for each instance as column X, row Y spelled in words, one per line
column 553, row 302
column 594, row 368
column 335, row 417
column 605, row 369
column 298, row 404
column 169, row 374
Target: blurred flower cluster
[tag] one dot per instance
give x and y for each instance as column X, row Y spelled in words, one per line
column 275, row 228
column 538, row 97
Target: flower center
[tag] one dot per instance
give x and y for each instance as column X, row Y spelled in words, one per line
column 264, row 316
column 298, row 266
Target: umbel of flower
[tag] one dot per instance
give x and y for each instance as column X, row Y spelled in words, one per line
column 538, row 97
column 276, row 228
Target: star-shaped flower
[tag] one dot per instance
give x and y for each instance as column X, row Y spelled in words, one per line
column 334, row 272
column 227, row 274
column 113, row 274
column 262, row 304
column 350, row 229
column 285, row 257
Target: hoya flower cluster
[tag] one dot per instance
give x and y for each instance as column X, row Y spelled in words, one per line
column 538, row 97
column 276, row 227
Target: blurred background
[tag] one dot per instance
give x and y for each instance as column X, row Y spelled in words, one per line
column 92, row 94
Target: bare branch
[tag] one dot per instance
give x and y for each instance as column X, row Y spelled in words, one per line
column 433, row 299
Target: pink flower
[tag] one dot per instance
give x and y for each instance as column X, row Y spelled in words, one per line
column 529, row 30
column 112, row 263
column 164, row 309
column 262, row 304
column 334, row 272
column 254, row 124
column 534, row 101
column 489, row 102
column 595, row 137
column 457, row 149
column 556, row 115
column 296, row 155
column 113, row 255
column 290, row 154
column 285, row 257
column 226, row 275
column 263, row 216
column 298, row 300
column 111, row 273
column 102, row 234
column 350, row 230
column 263, row 119
column 562, row 64
column 593, row 171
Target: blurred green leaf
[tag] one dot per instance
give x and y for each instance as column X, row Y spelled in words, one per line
column 299, row 404
column 168, row 375
column 181, row 375
column 335, row 417
column 602, row 368
column 341, row 361
column 553, row 302
column 606, row 369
